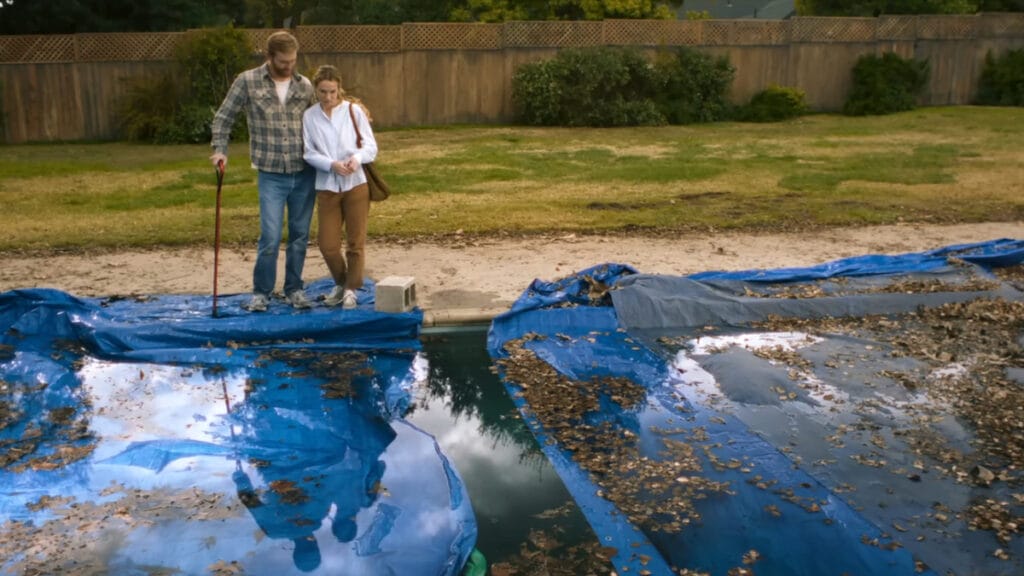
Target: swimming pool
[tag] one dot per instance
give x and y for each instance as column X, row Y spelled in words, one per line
column 692, row 426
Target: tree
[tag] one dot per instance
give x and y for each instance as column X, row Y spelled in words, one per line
column 878, row 7
column 275, row 13
column 632, row 9
column 1001, row 6
column 488, row 11
column 55, row 17
column 505, row 10
column 374, row 12
column 75, row 16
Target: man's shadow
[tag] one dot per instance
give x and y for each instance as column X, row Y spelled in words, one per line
column 303, row 448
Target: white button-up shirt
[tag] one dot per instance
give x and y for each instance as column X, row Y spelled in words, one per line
column 328, row 139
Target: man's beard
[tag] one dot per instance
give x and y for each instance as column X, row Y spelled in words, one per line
column 280, row 72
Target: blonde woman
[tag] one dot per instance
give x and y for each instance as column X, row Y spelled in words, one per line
column 342, row 196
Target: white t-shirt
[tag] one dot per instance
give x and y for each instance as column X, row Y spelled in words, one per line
column 282, row 88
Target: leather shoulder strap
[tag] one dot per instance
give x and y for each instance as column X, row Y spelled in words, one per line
column 352, row 115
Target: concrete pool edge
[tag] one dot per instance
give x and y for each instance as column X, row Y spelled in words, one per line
column 460, row 316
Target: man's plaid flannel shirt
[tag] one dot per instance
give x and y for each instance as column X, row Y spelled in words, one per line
column 275, row 129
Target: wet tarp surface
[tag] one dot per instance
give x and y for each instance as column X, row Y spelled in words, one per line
column 142, row 436
column 858, row 417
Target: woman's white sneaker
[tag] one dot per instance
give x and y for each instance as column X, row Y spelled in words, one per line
column 336, row 296
column 348, row 300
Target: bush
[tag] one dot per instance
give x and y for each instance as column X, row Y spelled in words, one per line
column 210, row 59
column 620, row 87
column 3, row 114
column 773, row 104
column 148, row 107
column 694, row 86
column 587, row 87
column 537, row 94
column 177, row 108
column 190, row 125
column 885, row 84
column 1002, row 80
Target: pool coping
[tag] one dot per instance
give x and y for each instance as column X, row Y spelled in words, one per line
column 460, row 316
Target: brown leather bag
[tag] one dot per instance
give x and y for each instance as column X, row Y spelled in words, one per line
column 379, row 190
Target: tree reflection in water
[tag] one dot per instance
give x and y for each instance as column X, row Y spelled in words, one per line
column 461, row 375
column 528, row 522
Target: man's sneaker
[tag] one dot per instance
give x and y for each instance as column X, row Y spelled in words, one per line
column 258, row 303
column 298, row 300
column 335, row 297
column 348, row 301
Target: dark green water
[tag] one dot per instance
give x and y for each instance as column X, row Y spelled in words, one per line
column 514, row 489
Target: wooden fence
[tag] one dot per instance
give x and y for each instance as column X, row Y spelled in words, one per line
column 66, row 87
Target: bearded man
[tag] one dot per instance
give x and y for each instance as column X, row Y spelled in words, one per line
column 274, row 97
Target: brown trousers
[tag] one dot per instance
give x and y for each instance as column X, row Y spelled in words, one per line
column 346, row 213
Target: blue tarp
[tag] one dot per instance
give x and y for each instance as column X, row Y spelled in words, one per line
column 995, row 253
column 778, row 452
column 141, row 435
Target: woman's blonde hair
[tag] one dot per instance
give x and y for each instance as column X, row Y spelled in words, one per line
column 328, row 73
column 331, row 74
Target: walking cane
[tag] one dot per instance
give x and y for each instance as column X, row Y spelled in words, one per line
column 216, row 234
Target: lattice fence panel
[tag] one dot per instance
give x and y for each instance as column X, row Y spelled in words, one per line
column 745, row 32
column 37, row 48
column 1007, row 25
column 815, row 29
column 652, row 32
column 126, row 47
column 319, row 39
column 444, row 36
column 946, row 27
column 760, row 32
column 553, row 34
column 776, row 32
column 897, row 27
column 716, row 33
column 258, row 38
column 452, row 36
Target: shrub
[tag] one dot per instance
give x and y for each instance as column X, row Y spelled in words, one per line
column 885, row 84
column 694, row 86
column 773, row 104
column 537, row 94
column 210, row 59
column 3, row 114
column 1002, row 80
column 620, row 87
column 148, row 107
column 190, row 125
column 177, row 108
column 587, row 87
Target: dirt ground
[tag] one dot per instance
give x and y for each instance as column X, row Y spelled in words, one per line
column 486, row 275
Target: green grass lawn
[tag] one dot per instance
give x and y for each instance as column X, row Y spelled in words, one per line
column 963, row 164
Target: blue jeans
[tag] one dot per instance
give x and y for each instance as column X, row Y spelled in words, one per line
column 277, row 191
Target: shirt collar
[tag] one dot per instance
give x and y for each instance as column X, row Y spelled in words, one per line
column 266, row 73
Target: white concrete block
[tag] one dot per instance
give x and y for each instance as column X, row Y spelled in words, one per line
column 396, row 294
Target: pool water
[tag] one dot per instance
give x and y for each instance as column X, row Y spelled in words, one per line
column 523, row 510
column 158, row 434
